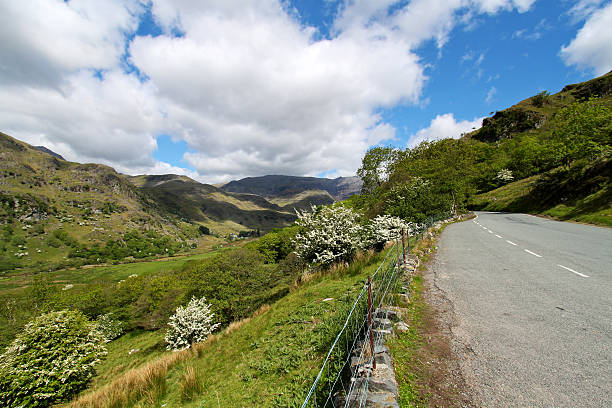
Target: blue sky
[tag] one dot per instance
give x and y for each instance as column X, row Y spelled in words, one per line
column 224, row 90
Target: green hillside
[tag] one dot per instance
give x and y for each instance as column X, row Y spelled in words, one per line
column 548, row 154
column 222, row 212
column 55, row 213
column 286, row 186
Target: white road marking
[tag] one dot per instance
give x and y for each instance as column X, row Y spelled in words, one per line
column 511, row 243
column 498, row 236
column 532, row 253
column 490, row 232
column 573, row 271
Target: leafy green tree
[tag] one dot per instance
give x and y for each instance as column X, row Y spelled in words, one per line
column 375, row 168
column 277, row 244
column 50, row 361
column 540, row 99
column 581, row 130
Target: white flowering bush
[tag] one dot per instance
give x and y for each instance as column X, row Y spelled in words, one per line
column 504, row 176
column 384, row 228
column 190, row 325
column 50, row 361
column 109, row 327
column 328, row 235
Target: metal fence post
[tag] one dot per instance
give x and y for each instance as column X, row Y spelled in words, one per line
column 370, row 323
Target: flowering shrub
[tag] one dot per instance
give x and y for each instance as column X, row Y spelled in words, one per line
column 51, row 360
column 504, row 176
column 328, row 235
column 190, row 324
column 109, row 327
column 384, row 228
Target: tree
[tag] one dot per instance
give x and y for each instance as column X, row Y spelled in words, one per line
column 375, row 168
column 109, row 327
column 50, row 361
column 540, row 99
column 581, row 130
column 189, row 325
column 415, row 200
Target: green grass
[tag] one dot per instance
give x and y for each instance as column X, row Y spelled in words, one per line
column 113, row 273
column 404, row 351
column 144, row 347
column 523, row 196
column 269, row 360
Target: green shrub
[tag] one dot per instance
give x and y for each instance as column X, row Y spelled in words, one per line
column 50, row 361
column 277, row 244
column 236, row 283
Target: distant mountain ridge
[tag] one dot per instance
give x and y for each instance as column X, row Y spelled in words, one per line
column 212, row 206
column 49, row 151
column 284, row 186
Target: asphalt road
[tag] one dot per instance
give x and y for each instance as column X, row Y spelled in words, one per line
column 532, row 308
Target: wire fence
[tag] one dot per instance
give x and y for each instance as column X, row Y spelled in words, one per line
column 344, row 377
column 340, row 378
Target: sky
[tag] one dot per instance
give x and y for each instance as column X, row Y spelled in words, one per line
column 219, row 90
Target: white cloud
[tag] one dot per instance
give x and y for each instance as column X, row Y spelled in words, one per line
column 44, row 40
column 591, row 49
column 491, row 94
column 247, row 86
column 584, row 8
column 442, row 127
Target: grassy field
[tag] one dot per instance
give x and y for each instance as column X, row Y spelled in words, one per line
column 268, row 360
column 88, row 274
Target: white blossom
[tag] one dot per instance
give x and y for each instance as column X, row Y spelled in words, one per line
column 504, row 176
column 109, row 327
column 190, row 324
column 329, row 234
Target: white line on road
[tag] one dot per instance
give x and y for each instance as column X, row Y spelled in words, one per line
column 498, row 236
column 490, row 232
column 532, row 253
column 511, row 243
column 573, row 271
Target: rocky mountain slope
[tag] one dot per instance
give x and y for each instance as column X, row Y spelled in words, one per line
column 533, row 115
column 276, row 186
column 219, row 210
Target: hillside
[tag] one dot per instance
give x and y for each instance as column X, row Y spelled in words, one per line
column 221, row 211
column 548, row 154
column 288, row 186
column 53, row 212
column 580, row 190
column 534, row 115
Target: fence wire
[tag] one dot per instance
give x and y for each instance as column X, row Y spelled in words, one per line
column 344, row 377
column 341, row 377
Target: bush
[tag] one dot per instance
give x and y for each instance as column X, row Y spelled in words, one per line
column 189, row 325
column 384, row 228
column 109, row 327
column 276, row 244
column 50, row 361
column 237, row 282
column 328, row 235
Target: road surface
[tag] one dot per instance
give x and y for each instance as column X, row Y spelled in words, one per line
column 532, row 309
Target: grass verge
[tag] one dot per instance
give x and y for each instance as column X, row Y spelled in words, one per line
column 425, row 368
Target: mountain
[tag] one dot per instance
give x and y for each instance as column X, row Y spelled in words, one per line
column 291, row 186
column 56, row 213
column 219, row 210
column 48, row 151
